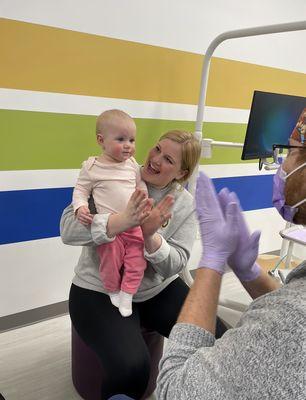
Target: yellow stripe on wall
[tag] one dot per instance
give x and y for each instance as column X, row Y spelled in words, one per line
column 42, row 58
column 231, row 83
column 36, row 57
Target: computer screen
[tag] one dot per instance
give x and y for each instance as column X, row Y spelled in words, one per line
column 273, row 118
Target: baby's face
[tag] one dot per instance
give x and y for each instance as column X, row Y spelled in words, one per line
column 118, row 141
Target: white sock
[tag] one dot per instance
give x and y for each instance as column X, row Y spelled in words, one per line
column 114, row 298
column 125, row 303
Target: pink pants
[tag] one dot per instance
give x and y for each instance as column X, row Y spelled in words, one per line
column 122, row 262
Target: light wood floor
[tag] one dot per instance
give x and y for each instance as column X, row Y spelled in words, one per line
column 35, row 362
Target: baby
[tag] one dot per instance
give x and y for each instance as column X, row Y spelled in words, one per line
column 111, row 179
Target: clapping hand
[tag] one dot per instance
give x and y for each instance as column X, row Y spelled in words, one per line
column 138, row 208
column 243, row 260
column 219, row 232
column 158, row 216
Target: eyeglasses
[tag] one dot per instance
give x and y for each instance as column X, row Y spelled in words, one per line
column 279, row 149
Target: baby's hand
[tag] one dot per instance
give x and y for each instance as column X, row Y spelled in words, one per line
column 83, row 215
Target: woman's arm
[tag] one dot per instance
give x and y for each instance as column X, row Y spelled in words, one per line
column 76, row 234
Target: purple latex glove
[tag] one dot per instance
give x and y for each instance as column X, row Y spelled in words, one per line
column 243, row 260
column 219, row 233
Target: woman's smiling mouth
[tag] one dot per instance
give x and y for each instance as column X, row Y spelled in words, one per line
column 151, row 169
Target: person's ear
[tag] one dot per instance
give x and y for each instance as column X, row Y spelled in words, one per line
column 181, row 174
column 100, row 139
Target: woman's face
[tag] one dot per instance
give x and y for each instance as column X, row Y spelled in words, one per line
column 163, row 164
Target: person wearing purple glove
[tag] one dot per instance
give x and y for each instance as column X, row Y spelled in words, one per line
column 243, row 260
column 263, row 357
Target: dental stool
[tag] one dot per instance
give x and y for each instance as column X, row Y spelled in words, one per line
column 87, row 371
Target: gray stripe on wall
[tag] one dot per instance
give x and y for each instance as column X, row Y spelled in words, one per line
column 33, row 316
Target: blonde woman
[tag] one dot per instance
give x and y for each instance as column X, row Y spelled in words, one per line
column 169, row 233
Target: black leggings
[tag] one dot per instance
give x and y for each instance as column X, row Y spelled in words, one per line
column 118, row 341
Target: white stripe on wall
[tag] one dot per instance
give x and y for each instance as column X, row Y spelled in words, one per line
column 35, row 274
column 230, row 170
column 11, row 99
column 37, row 179
column 59, row 178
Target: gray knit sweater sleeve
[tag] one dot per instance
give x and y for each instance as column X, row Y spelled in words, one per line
column 264, row 357
column 76, row 234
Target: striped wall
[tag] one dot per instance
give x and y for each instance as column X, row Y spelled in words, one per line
column 54, row 81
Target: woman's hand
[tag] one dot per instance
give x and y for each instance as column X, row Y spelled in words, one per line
column 136, row 212
column 157, row 216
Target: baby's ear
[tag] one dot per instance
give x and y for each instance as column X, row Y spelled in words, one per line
column 100, row 139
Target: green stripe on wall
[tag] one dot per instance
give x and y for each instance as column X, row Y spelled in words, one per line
column 39, row 140
column 150, row 130
column 48, row 59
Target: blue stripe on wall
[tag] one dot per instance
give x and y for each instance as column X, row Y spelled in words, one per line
column 254, row 192
column 35, row 214
column 31, row 214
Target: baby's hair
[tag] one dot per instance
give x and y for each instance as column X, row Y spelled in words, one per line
column 191, row 150
column 108, row 117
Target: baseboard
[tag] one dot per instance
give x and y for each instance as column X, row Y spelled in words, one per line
column 33, row 316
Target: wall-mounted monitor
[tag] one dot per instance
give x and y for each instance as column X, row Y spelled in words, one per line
column 273, row 119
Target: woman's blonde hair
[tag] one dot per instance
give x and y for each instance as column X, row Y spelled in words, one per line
column 191, row 151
